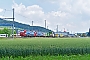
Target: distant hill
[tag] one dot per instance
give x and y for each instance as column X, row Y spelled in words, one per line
column 23, row 26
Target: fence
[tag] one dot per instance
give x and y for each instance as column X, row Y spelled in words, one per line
column 3, row 35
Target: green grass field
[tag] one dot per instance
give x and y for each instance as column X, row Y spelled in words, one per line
column 45, row 48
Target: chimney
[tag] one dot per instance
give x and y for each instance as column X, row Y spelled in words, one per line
column 89, row 30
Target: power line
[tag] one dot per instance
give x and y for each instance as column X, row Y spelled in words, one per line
column 24, row 17
column 21, row 15
column 4, row 12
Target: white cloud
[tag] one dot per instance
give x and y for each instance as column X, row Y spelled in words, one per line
column 1, row 10
column 78, row 11
column 33, row 12
column 73, row 15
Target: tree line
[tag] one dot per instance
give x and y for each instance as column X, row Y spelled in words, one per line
column 6, row 31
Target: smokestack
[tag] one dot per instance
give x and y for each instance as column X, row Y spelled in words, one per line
column 89, row 29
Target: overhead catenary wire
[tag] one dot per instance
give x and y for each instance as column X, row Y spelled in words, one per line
column 22, row 15
column 4, row 12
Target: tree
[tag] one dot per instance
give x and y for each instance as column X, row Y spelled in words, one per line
column 5, row 31
column 83, row 35
column 0, row 31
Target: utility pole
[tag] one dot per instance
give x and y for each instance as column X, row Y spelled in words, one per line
column 32, row 25
column 13, row 23
column 64, row 30
column 57, row 28
column 45, row 23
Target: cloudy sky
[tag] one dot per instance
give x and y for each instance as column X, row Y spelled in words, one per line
column 73, row 15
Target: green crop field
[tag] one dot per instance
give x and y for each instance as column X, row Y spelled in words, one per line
column 72, row 57
column 44, row 47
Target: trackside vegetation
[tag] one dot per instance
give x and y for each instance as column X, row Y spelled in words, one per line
column 72, row 57
column 44, row 47
column 6, row 31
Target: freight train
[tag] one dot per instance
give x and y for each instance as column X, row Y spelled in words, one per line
column 35, row 34
column 45, row 34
